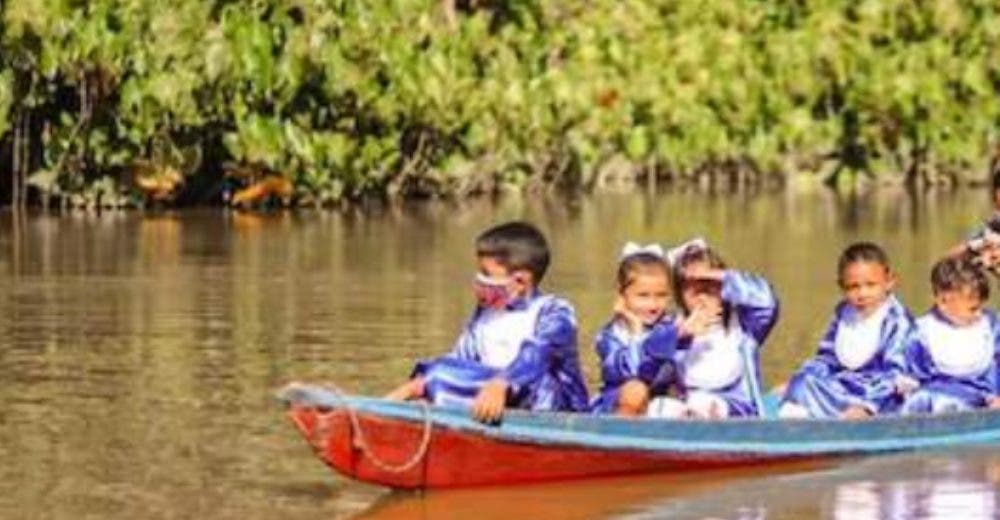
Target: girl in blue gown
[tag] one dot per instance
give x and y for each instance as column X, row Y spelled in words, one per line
column 636, row 346
column 718, row 367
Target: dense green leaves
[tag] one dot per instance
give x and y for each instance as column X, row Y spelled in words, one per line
column 6, row 99
column 345, row 97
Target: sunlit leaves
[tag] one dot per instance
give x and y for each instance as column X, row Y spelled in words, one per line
column 6, row 99
column 345, row 97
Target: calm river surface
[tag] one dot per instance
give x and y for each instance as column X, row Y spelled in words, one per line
column 139, row 353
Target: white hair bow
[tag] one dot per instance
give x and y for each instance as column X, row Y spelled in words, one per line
column 632, row 249
column 695, row 244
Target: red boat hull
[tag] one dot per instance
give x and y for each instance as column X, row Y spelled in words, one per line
column 456, row 458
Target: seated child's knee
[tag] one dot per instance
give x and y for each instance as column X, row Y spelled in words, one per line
column 705, row 405
column 931, row 402
column 792, row 410
column 633, row 397
column 667, row 408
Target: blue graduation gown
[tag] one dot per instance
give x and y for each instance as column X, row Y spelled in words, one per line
column 833, row 380
column 531, row 344
column 624, row 357
column 754, row 308
column 957, row 367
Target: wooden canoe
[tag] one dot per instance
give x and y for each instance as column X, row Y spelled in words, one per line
column 413, row 445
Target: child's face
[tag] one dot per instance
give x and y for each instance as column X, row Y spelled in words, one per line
column 699, row 293
column 962, row 307
column 496, row 285
column 866, row 285
column 646, row 297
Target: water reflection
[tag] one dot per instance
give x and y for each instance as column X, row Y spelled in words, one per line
column 583, row 499
column 942, row 486
column 138, row 352
column 952, row 490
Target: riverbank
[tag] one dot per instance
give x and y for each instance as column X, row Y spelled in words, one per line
column 118, row 102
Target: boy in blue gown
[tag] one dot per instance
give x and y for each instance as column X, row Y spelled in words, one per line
column 854, row 375
column 519, row 348
column 954, row 365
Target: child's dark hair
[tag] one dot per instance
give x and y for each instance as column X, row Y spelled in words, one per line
column 516, row 245
column 869, row 252
column 637, row 263
column 690, row 256
column 957, row 274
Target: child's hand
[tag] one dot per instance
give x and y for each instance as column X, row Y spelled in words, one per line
column 906, row 385
column 991, row 238
column 994, row 403
column 854, row 413
column 632, row 321
column 989, row 256
column 489, row 404
column 700, row 320
column 709, row 305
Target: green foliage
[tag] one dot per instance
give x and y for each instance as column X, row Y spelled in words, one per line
column 346, row 97
column 6, row 99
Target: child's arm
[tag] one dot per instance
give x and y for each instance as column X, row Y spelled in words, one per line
column 412, row 389
column 994, row 400
column 755, row 303
column 555, row 335
column 825, row 362
column 464, row 348
column 901, row 344
column 909, row 362
column 616, row 361
column 980, row 239
column 617, row 364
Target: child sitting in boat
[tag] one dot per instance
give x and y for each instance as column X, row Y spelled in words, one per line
column 636, row 346
column 718, row 368
column 519, row 348
column 854, row 373
column 954, row 365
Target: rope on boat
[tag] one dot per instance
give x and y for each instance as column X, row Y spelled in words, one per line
column 358, row 439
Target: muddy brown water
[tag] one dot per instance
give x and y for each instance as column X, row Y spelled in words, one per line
column 139, row 352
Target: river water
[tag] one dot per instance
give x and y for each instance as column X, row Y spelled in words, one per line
column 139, row 353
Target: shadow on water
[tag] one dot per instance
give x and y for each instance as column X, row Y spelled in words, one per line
column 570, row 500
column 947, row 485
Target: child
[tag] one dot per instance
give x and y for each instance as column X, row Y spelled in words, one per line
column 718, row 368
column 636, row 346
column 983, row 245
column 519, row 347
column 853, row 375
column 955, row 361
